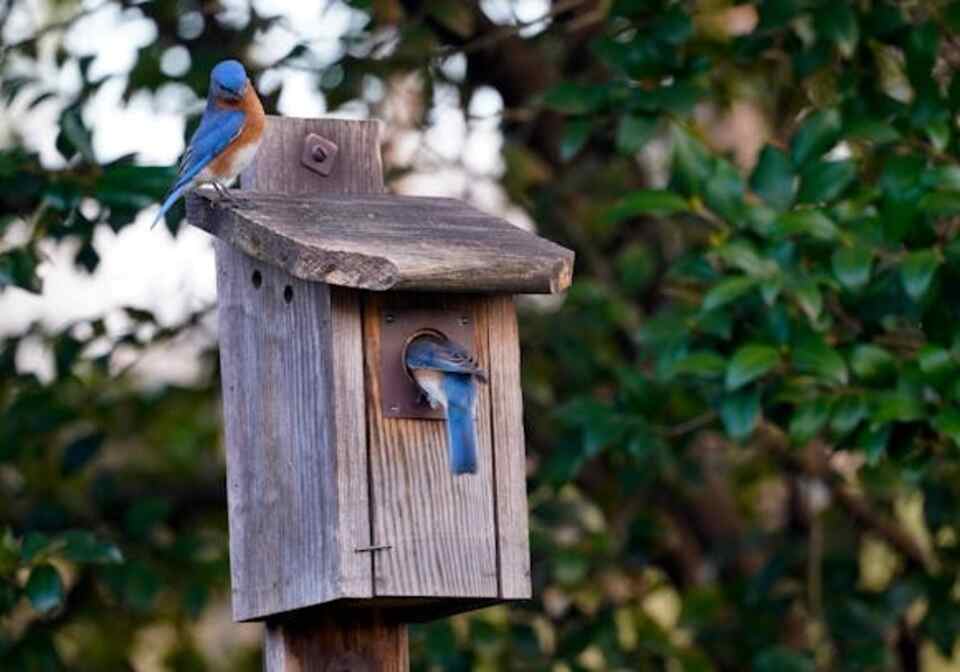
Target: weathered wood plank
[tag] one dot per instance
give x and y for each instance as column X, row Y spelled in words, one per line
column 281, row 462
column 348, row 640
column 294, row 399
column 350, row 422
column 379, row 242
column 357, row 168
column 506, row 410
column 440, row 528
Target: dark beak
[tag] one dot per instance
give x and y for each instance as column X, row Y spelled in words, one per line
column 233, row 94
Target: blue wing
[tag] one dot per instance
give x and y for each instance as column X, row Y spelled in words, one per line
column 461, row 391
column 429, row 353
column 217, row 128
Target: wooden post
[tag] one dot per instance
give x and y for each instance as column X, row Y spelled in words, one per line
column 333, row 639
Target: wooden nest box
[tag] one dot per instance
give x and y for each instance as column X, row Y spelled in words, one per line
column 339, row 488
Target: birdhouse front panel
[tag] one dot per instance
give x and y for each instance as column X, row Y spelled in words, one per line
column 438, row 529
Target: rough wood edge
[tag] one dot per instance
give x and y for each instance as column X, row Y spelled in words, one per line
column 506, row 412
column 311, row 264
column 550, row 274
column 350, row 432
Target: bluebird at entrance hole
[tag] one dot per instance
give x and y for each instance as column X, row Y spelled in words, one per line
column 227, row 139
column 448, row 374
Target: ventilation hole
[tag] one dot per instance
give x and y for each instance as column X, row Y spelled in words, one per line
column 256, row 279
column 288, row 293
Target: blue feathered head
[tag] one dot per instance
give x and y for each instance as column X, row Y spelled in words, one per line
column 228, row 80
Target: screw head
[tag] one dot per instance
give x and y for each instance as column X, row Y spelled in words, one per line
column 464, row 321
column 388, row 318
column 318, row 153
column 394, row 408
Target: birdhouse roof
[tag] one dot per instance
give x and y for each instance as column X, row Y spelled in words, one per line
column 385, row 241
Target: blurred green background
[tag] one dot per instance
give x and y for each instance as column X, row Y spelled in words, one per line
column 743, row 433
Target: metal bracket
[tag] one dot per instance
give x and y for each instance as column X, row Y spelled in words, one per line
column 319, row 154
column 399, row 394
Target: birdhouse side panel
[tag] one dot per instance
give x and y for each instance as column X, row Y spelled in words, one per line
column 350, row 425
column 277, row 376
column 437, row 531
column 509, row 448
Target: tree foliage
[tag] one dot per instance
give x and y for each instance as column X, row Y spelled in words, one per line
column 743, row 426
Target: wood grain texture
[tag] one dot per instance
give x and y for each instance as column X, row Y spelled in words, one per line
column 506, row 411
column 281, row 462
column 348, row 640
column 350, row 423
column 380, row 242
column 294, row 404
column 357, row 169
column 440, row 528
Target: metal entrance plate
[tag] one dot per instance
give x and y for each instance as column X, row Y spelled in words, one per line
column 400, row 396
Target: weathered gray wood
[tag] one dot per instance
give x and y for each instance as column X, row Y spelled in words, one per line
column 350, row 423
column 356, row 170
column 276, row 361
column 348, row 640
column 381, row 242
column 506, row 412
column 440, row 528
column 294, row 405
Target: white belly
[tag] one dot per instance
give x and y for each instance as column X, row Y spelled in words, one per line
column 240, row 160
column 243, row 158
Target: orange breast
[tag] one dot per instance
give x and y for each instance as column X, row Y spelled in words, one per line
column 253, row 124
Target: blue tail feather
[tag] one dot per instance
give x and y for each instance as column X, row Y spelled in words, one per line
column 169, row 201
column 461, row 391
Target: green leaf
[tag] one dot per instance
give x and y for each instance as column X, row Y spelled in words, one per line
column 897, row 406
column 727, row 291
column 83, row 546
column 822, row 361
column 851, row 266
column 633, row 132
column 572, row 98
column 576, row 132
column 871, row 361
column 807, row 222
column 917, row 271
column 782, row 659
column 935, row 360
column 818, row 133
column 653, row 202
column 74, row 137
column 692, row 164
column 824, row 181
column 809, row 299
column 873, row 442
column 741, row 254
column 18, row 268
column 724, row 189
column 941, row 203
column 948, row 423
column 808, row 419
column 740, row 413
column 837, row 22
column 848, row 412
column 34, row 544
column 773, row 178
column 705, row 363
column 749, row 363
column 44, row 588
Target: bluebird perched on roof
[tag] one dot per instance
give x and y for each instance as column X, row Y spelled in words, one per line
column 228, row 136
column 447, row 374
